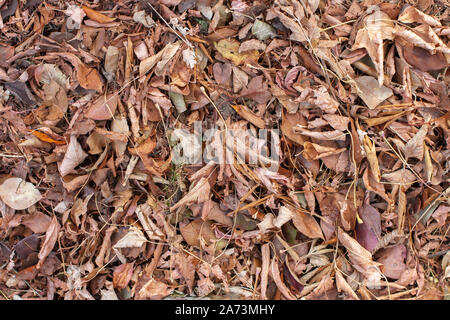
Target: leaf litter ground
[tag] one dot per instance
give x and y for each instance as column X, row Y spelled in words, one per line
column 118, row 181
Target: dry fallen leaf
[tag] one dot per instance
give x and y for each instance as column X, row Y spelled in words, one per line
column 74, row 156
column 120, row 182
column 230, row 50
column 197, row 232
column 19, row 194
column 361, row 259
column 51, row 236
column 198, row 194
column 370, row 92
column 154, row 290
column 306, row 224
column 103, row 108
column 97, row 16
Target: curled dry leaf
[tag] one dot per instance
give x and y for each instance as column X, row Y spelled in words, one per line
column 51, row 236
column 413, row 15
column 361, row 259
column 97, row 16
column 314, row 151
column 74, row 156
column 19, row 194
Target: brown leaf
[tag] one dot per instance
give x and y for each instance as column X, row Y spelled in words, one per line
column 414, row 147
column 360, row 258
column 97, row 16
column 250, row 116
column 51, row 236
column 342, row 285
column 240, row 79
column 186, row 265
column 413, row 15
column 372, row 185
column 89, row 78
column 288, row 122
column 306, row 224
column 103, row 108
column 371, row 153
column 222, row 73
column 323, row 135
column 423, row 59
column 314, row 151
column 370, row 92
column 393, row 261
column 198, row 232
column 154, row 290
column 277, row 279
column 38, row 222
column 252, row 44
column 20, row 90
column 122, row 275
column 198, row 194
column 212, row 211
column 73, row 157
column 19, row 194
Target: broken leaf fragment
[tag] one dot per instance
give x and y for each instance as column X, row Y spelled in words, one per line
column 369, row 91
column 19, row 194
column 144, row 19
column 262, row 30
column 178, row 101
